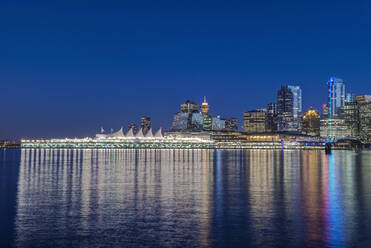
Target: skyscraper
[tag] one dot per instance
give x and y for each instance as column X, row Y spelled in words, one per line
column 285, row 106
column 271, row 125
column 336, row 96
column 297, row 105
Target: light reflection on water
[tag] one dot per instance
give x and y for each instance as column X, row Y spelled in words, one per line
column 157, row 198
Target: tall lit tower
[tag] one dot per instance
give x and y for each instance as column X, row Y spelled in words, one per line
column 205, row 107
column 336, row 96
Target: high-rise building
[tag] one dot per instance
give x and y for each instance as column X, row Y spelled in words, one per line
column 133, row 126
column 285, row 109
column 271, row 125
column 231, row 124
column 145, row 123
column 189, row 107
column 349, row 97
column 218, row 123
column 254, row 121
column 285, row 100
column 311, row 123
column 205, row 106
column 336, row 97
column 297, row 103
column 208, row 122
column 351, row 118
column 364, row 108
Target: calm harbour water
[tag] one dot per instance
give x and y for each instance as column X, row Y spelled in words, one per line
column 184, row 198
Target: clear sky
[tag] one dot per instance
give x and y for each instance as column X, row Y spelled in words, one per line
column 69, row 67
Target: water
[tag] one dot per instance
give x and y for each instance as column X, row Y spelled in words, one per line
column 184, row 198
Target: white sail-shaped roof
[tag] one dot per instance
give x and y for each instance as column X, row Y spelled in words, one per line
column 130, row 133
column 118, row 134
column 158, row 134
column 149, row 133
column 139, row 134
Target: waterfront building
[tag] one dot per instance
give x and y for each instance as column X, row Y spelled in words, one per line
column 133, row 127
column 189, row 107
column 351, row 118
column 254, row 121
column 145, row 123
column 334, row 129
column 311, row 123
column 231, row 124
column 364, row 108
column 336, row 97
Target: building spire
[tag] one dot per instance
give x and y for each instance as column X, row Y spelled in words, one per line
column 205, row 106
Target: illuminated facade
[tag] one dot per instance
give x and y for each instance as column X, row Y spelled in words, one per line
column 231, row 124
column 189, row 107
column 218, row 123
column 311, row 123
column 334, row 129
column 336, row 96
column 272, row 117
column 254, row 121
column 286, row 120
column 297, row 106
column 351, row 118
column 364, row 105
column 205, row 107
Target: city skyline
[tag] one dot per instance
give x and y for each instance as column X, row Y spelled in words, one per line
column 70, row 68
column 240, row 118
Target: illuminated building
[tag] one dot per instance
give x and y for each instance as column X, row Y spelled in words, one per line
column 364, row 105
column 297, row 105
column 145, row 123
column 208, row 122
column 336, row 96
column 324, row 111
column 272, row 117
column 285, row 109
column 205, row 107
column 334, row 129
column 231, row 124
column 189, row 107
column 349, row 97
column 197, row 121
column 182, row 121
column 218, row 123
column 254, row 121
column 311, row 123
column 351, row 118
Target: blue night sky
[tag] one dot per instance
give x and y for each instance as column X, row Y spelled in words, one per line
column 69, row 67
